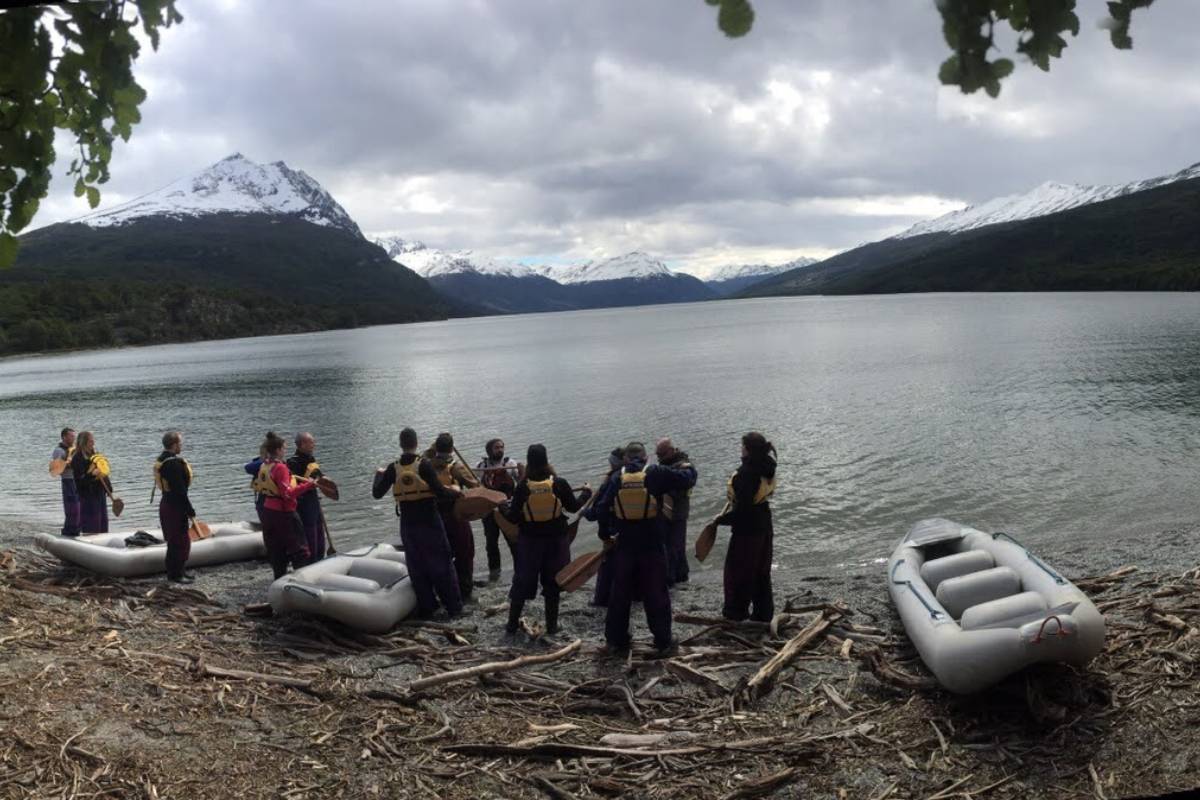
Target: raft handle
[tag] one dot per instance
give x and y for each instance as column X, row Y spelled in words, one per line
column 1041, row 630
column 933, row 612
column 1059, row 579
column 302, row 589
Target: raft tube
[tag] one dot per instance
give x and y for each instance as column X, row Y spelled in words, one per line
column 107, row 553
column 979, row 606
column 368, row 589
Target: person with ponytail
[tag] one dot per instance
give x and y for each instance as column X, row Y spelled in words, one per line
column 748, row 557
column 283, row 534
column 539, row 503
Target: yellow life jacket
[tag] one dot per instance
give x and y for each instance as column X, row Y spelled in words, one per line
column 98, row 466
column 311, row 470
column 158, row 478
column 60, row 465
column 264, row 484
column 543, row 504
column 409, row 485
column 445, row 474
column 766, row 488
column 633, row 502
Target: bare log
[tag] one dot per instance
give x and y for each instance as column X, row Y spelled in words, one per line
column 493, row 667
column 760, row 683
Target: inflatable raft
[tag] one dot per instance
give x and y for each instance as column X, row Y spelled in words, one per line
column 979, row 607
column 108, row 554
column 368, row 589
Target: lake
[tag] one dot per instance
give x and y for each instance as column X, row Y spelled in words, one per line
column 1071, row 416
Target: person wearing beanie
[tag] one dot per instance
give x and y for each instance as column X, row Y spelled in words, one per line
column 639, row 558
column 748, row 557
column 538, row 505
column 416, row 490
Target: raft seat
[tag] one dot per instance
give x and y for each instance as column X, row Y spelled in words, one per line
column 1007, row 612
column 958, row 594
column 346, row 583
column 382, row 572
column 935, row 571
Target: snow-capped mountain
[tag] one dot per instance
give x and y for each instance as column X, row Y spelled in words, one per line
column 731, row 279
column 637, row 265
column 430, row 262
column 234, row 185
column 1049, row 198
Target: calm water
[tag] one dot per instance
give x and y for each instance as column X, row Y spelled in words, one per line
column 1052, row 415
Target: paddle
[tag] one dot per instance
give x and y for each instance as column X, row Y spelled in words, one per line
column 581, row 570
column 328, row 488
column 708, row 536
column 118, row 505
column 199, row 530
column 58, row 466
column 509, row 529
column 330, row 550
column 573, row 525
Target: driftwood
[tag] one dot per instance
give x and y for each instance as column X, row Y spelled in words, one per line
column 221, row 672
column 767, row 783
column 760, row 683
column 493, row 667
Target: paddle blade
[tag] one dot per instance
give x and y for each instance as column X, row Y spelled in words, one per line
column 328, row 488
column 58, row 466
column 118, row 506
column 199, row 530
column 705, row 541
column 579, row 571
column 477, row 503
column 509, row 529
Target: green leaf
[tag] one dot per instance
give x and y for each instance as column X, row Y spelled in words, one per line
column 8, row 250
column 79, row 187
column 950, row 71
column 735, row 18
column 1002, row 68
column 93, row 196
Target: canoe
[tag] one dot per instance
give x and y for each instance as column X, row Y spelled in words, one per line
column 107, row 553
column 368, row 589
column 979, row 606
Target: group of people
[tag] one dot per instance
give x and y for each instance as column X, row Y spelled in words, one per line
column 641, row 510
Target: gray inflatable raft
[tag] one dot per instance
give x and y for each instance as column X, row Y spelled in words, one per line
column 368, row 589
column 979, row 607
column 107, row 553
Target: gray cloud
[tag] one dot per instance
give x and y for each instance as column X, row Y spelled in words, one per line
column 538, row 128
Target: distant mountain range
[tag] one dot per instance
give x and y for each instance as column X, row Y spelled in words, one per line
column 242, row 249
column 501, row 287
column 1134, row 237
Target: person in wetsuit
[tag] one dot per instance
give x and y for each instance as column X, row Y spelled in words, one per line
column 172, row 478
column 748, row 558
column 675, row 508
column 303, row 464
column 499, row 473
column 538, row 503
column 282, row 532
column 60, row 466
column 93, row 482
column 416, row 489
column 454, row 474
column 639, row 558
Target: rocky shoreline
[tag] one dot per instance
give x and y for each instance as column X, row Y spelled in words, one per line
column 140, row 689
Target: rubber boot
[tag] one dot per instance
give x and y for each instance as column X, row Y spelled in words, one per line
column 551, row 616
column 515, row 607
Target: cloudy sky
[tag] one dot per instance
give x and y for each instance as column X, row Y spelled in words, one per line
column 562, row 130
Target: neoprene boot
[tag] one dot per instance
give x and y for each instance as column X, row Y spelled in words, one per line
column 515, row 607
column 551, row 616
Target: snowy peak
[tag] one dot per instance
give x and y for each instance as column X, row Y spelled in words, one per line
column 744, row 271
column 1049, row 198
column 637, row 265
column 237, row 185
column 430, row 262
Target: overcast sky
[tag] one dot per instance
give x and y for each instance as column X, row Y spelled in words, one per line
column 564, row 130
